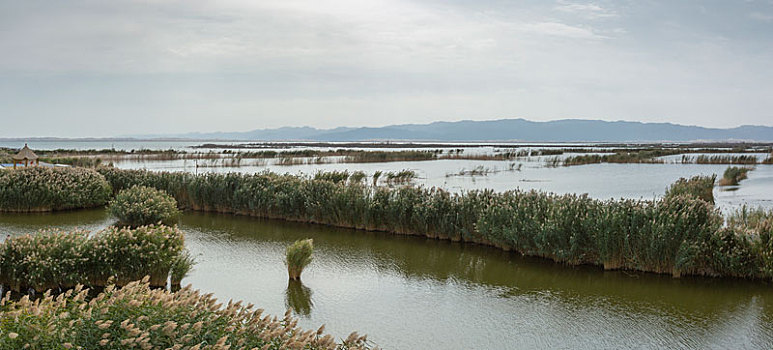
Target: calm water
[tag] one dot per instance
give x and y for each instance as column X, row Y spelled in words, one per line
column 413, row 293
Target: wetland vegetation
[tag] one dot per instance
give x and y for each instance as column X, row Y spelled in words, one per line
column 734, row 175
column 141, row 205
column 60, row 260
column 137, row 316
column 682, row 233
column 671, row 235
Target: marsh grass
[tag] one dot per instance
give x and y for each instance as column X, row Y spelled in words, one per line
column 479, row 170
column 297, row 256
column 84, row 162
column 58, row 259
column 668, row 235
column 332, row 176
column 699, row 187
column 400, row 177
column 734, row 175
column 725, row 159
column 37, row 189
column 640, row 156
column 143, row 205
column 139, row 317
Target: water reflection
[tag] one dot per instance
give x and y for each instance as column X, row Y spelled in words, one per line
column 298, row 298
column 465, row 296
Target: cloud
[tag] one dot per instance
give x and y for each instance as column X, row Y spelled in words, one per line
column 765, row 17
column 562, row 30
column 587, row 10
column 241, row 64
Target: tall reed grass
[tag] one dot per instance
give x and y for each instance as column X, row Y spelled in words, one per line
column 142, row 205
column 679, row 234
column 734, row 175
column 37, row 189
column 699, row 187
column 640, row 156
column 298, row 256
column 724, row 159
column 138, row 317
column 58, row 259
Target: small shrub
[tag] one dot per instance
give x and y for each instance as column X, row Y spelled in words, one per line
column 298, row 256
column 700, row 187
column 140, row 205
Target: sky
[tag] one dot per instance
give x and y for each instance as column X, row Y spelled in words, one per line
column 95, row 68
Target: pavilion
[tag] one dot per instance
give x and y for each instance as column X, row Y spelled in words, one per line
column 26, row 157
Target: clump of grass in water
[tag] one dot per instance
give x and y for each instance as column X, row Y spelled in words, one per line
column 181, row 266
column 141, row 205
column 699, row 187
column 744, row 159
column 733, row 175
column 400, row 177
column 297, row 257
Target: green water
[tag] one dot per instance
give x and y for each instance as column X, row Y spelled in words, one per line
column 415, row 293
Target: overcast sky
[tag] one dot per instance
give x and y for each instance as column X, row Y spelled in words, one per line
column 107, row 68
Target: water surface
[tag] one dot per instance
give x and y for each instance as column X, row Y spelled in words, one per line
column 415, row 293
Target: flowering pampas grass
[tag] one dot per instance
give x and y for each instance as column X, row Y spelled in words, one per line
column 297, row 257
column 139, row 317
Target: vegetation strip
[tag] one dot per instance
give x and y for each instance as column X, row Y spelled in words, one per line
column 61, row 260
column 734, row 175
column 682, row 233
column 37, row 189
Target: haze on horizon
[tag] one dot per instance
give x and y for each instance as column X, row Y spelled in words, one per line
column 108, row 68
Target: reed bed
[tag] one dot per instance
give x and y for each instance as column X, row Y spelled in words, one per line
column 142, row 205
column 60, row 260
column 37, row 189
column 734, row 175
column 743, row 159
column 698, row 187
column 83, row 162
column 137, row 316
column 394, row 156
column 642, row 156
column 679, row 234
column 400, row 177
column 476, row 171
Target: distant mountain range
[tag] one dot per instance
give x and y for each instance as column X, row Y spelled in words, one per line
column 566, row 130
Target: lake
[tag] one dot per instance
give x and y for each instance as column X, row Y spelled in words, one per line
column 413, row 293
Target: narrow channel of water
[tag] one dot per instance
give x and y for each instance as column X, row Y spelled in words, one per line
column 415, row 293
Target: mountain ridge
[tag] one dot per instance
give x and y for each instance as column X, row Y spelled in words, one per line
column 514, row 129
